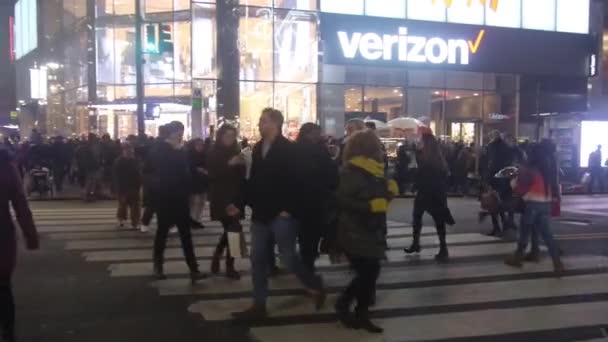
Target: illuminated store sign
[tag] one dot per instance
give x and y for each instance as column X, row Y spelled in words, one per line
column 372, row 46
column 402, row 43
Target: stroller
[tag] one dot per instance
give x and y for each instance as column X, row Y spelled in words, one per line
column 41, row 181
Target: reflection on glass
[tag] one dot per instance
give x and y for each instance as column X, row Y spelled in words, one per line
column 385, row 102
column 255, row 96
column 124, row 55
column 104, row 7
column 124, row 92
column 167, row 56
column 204, row 46
column 295, row 36
column 298, row 102
column 353, row 97
column 256, row 49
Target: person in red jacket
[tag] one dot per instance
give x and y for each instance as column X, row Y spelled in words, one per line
column 11, row 193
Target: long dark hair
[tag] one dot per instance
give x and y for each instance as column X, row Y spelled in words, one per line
column 541, row 157
column 305, row 131
column 431, row 153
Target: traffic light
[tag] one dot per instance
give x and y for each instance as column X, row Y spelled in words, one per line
column 159, row 38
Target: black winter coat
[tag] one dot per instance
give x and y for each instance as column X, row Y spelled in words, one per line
column 200, row 181
column 319, row 180
column 226, row 181
column 273, row 185
column 169, row 176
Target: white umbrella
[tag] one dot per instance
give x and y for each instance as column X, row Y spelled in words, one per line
column 379, row 124
column 406, row 123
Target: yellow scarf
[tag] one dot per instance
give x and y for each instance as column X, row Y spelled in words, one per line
column 376, row 169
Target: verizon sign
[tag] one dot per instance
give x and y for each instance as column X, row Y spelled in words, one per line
column 402, row 43
column 408, row 48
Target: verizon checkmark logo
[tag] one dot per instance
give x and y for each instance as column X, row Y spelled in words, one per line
column 474, row 46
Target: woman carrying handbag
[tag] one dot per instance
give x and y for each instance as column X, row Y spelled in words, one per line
column 227, row 170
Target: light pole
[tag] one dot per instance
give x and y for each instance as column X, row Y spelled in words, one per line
column 139, row 75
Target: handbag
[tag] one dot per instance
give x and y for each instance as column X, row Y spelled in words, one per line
column 236, row 238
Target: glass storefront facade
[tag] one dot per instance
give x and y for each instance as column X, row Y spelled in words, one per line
column 283, row 63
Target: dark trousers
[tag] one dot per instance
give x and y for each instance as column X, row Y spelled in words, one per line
column 223, row 243
column 596, row 177
column 363, row 286
column 7, row 309
column 168, row 217
column 147, row 216
column 308, row 241
column 58, row 177
column 436, row 212
column 129, row 201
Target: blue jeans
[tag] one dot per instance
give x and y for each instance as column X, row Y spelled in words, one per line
column 536, row 221
column 285, row 232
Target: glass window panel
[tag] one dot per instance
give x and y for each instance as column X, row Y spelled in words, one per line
column 298, row 102
column 80, row 8
column 425, row 103
column 104, row 7
column 296, row 55
column 503, row 13
column 573, row 16
column 124, row 92
column 342, row 6
column 182, row 45
column 68, row 13
column 353, row 98
column 183, row 89
column 105, row 54
column 266, row 3
column 180, row 5
column 463, row 104
column 255, row 96
column 464, row 80
column 204, row 47
column 385, row 8
column 426, row 78
column 466, row 12
column 386, row 103
column 255, row 28
column 155, row 6
column 124, row 7
column 538, row 14
column 159, row 90
column 167, row 56
column 296, row 4
column 124, row 55
column 431, row 10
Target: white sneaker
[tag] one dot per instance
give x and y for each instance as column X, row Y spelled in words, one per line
column 173, row 230
column 144, row 229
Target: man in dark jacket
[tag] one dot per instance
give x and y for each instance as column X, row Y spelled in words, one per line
column 170, row 183
column 272, row 195
column 595, row 169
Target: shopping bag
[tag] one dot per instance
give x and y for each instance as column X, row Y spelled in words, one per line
column 237, row 245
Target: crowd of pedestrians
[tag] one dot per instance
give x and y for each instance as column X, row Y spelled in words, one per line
column 306, row 197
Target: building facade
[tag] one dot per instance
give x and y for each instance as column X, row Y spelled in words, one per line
column 464, row 66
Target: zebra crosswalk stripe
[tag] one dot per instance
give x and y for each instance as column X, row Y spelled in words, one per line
column 474, row 295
